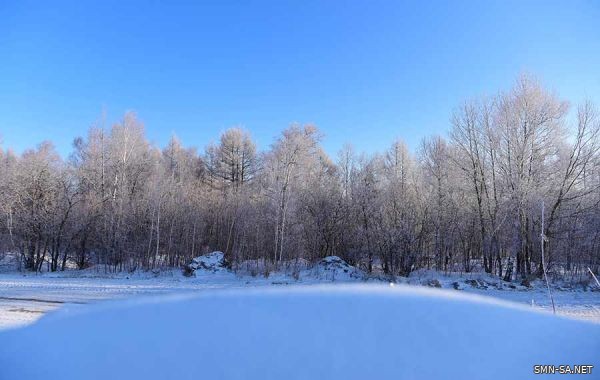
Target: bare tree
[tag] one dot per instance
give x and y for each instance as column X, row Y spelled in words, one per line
column 467, row 203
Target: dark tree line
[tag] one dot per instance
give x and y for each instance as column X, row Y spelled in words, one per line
column 471, row 201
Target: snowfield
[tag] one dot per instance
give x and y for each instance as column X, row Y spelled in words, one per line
column 327, row 332
column 217, row 324
column 25, row 296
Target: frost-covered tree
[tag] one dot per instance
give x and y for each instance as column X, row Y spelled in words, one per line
column 468, row 202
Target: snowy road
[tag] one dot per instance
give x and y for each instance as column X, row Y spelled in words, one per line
column 24, row 299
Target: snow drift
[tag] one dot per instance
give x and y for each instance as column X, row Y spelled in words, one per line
column 333, row 268
column 326, row 332
column 213, row 262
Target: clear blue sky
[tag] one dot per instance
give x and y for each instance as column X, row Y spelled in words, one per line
column 365, row 72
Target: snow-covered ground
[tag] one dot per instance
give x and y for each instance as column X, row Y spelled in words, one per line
column 25, row 298
column 356, row 331
column 218, row 324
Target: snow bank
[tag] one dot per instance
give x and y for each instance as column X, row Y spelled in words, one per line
column 210, row 263
column 333, row 268
column 342, row 332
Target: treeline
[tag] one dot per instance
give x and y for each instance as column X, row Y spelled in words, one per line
column 472, row 201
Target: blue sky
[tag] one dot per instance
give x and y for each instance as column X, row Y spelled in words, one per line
column 364, row 72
